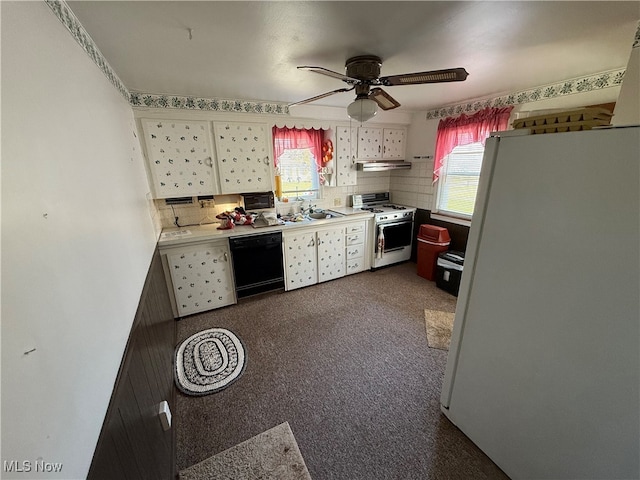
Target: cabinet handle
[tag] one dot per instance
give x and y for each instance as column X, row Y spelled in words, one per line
column 226, row 258
column 384, row 149
column 208, row 162
column 312, row 243
column 266, row 160
column 378, row 148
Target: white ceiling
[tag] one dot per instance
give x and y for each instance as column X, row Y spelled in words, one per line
column 250, row 50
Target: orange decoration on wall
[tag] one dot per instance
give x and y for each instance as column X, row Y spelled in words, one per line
column 327, row 151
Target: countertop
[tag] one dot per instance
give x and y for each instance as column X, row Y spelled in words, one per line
column 199, row 233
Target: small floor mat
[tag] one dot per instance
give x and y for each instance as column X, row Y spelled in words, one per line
column 209, row 361
column 439, row 328
column 270, row 455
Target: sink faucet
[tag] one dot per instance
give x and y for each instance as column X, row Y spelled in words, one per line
column 308, row 210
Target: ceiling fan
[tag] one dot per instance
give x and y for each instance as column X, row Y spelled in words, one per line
column 363, row 72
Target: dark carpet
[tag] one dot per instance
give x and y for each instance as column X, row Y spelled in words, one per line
column 346, row 363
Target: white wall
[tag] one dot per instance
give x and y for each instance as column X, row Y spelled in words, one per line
column 77, row 240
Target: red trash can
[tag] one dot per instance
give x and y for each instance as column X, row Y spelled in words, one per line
column 432, row 240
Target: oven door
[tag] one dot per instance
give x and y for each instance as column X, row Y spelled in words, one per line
column 397, row 235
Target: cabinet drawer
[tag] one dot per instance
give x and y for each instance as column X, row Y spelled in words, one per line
column 355, row 239
column 355, row 265
column 355, row 228
column 355, row 251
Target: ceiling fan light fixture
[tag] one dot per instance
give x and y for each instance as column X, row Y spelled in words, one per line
column 362, row 109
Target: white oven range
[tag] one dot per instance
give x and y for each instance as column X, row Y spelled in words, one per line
column 393, row 232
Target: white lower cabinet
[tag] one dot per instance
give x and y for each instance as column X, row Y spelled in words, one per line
column 355, row 240
column 331, row 254
column 300, row 259
column 313, row 256
column 201, row 277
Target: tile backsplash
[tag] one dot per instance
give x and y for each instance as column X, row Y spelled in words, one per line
column 204, row 212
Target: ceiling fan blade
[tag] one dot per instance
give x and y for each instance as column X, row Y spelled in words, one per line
column 330, row 73
column 433, row 76
column 383, row 99
column 318, row 97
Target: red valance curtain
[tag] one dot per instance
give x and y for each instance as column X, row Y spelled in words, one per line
column 467, row 129
column 294, row 138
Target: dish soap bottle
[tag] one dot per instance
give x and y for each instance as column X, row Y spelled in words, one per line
column 278, row 179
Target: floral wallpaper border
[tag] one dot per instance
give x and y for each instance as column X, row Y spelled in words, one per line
column 597, row 81
column 69, row 20
column 210, row 104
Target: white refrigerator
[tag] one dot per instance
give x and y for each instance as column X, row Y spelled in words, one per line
column 543, row 372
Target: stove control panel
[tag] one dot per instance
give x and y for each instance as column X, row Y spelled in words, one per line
column 394, row 216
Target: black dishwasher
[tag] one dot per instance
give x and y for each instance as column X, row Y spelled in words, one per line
column 257, row 263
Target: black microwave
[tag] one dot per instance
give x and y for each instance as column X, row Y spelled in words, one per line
column 258, row 201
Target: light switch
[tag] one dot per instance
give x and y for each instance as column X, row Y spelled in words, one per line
column 164, row 412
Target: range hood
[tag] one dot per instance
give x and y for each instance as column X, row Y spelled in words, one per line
column 373, row 166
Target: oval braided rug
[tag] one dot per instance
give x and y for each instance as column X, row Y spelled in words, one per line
column 209, row 361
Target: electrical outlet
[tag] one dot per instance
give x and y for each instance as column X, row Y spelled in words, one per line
column 337, row 202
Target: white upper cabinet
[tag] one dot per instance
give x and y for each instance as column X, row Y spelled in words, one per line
column 179, row 155
column 346, row 150
column 243, row 157
column 393, row 143
column 369, row 143
column 376, row 143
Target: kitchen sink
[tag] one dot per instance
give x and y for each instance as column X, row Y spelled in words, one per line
column 323, row 215
column 319, row 215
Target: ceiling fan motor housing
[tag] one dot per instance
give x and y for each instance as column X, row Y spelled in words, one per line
column 364, row 67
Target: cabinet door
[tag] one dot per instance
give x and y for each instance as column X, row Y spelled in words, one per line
column 393, row 144
column 202, row 278
column 346, row 151
column 243, row 157
column 300, row 260
column 369, row 143
column 179, row 156
column 331, row 254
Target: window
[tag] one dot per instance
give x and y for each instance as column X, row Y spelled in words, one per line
column 298, row 173
column 298, row 158
column 458, row 158
column 458, row 183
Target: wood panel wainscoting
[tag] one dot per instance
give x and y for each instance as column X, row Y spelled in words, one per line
column 132, row 442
